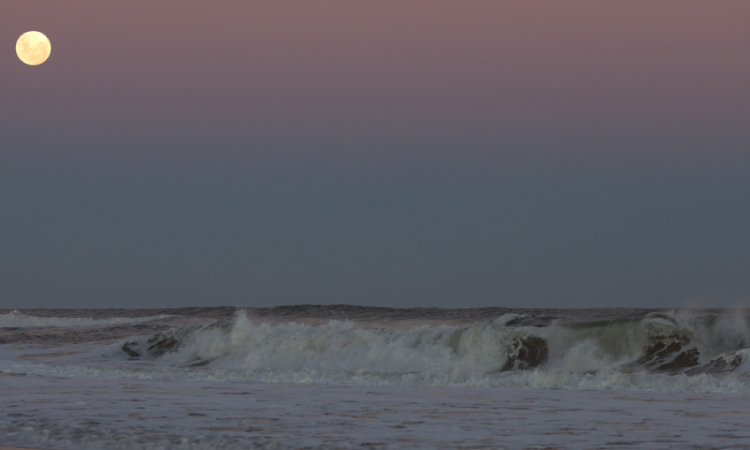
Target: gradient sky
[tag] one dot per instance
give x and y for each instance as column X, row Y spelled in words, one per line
column 389, row 153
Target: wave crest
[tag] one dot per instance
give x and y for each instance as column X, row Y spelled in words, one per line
column 659, row 343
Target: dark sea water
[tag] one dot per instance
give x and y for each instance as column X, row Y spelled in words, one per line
column 341, row 377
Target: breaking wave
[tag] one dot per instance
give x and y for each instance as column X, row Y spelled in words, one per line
column 650, row 352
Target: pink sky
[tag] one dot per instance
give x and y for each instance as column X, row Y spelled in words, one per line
column 344, row 74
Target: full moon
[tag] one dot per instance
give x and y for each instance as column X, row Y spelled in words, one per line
column 33, row 48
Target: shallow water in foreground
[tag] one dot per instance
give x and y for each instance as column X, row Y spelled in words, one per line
column 343, row 376
column 118, row 414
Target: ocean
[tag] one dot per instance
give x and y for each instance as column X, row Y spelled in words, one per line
column 341, row 376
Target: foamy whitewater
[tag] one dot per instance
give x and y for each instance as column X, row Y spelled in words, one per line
column 342, row 376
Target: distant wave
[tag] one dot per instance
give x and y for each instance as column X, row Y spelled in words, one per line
column 16, row 319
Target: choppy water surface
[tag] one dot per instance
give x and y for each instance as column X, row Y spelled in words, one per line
column 341, row 377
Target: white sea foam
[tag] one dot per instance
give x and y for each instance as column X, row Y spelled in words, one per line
column 605, row 380
column 20, row 320
column 343, row 353
column 457, row 352
column 346, row 347
column 589, row 357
